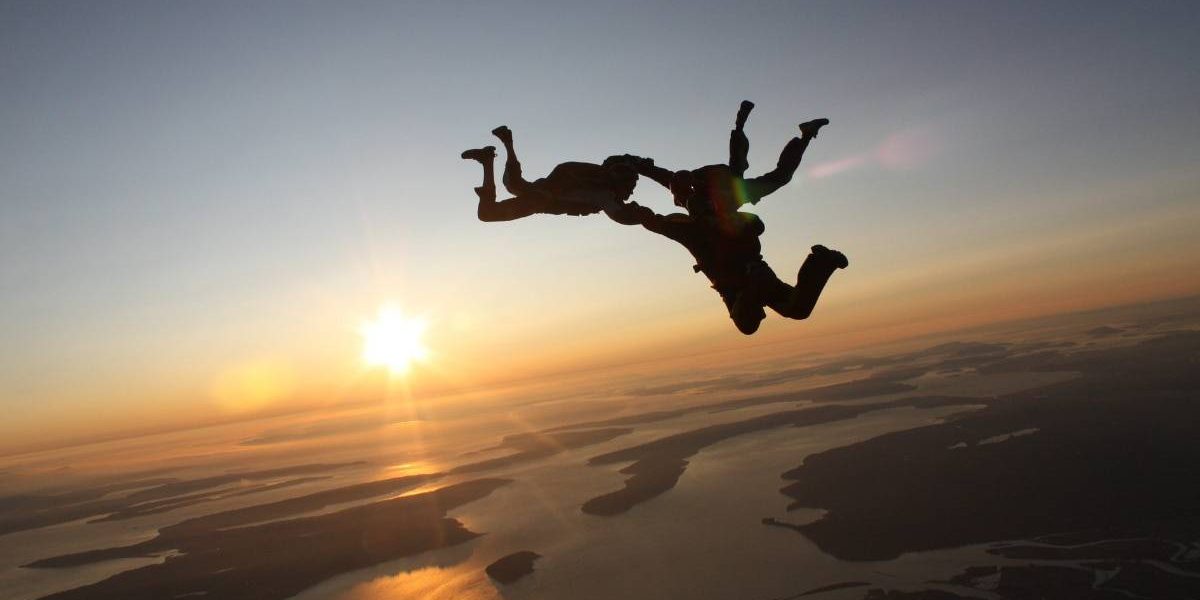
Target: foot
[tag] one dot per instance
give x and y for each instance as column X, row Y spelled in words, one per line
column 504, row 133
column 743, row 113
column 809, row 129
column 836, row 258
column 483, row 154
column 485, row 192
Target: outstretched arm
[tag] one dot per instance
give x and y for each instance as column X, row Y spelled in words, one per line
column 674, row 226
column 631, row 213
column 660, row 175
column 644, row 167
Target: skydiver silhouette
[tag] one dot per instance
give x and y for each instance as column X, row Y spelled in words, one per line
column 725, row 241
column 571, row 188
column 729, row 253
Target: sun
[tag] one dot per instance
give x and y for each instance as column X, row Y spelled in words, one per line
column 393, row 340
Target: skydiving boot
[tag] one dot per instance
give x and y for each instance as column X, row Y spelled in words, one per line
column 834, row 258
column 743, row 113
column 504, row 133
column 809, row 129
column 485, row 153
column 739, row 146
column 485, row 156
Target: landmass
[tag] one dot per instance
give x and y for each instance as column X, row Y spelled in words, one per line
column 1083, row 488
column 535, row 445
column 276, row 560
column 26, row 512
column 169, row 504
column 891, row 372
column 231, row 533
column 20, row 513
column 1103, row 331
column 174, row 537
column 833, row 587
column 1104, row 480
column 513, row 567
column 883, row 594
column 657, row 465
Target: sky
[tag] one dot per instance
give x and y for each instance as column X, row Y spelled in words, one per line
column 194, row 195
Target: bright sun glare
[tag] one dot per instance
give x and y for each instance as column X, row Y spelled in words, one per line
column 393, row 340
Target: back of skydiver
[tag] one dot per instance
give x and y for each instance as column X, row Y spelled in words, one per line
column 571, row 188
column 725, row 241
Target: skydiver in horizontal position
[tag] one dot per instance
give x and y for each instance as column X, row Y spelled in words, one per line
column 725, row 241
column 571, row 188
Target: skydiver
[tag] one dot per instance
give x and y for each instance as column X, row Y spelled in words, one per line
column 571, row 188
column 727, row 250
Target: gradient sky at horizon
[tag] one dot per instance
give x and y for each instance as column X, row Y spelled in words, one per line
column 194, row 189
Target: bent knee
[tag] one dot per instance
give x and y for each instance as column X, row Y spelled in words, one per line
column 798, row 313
column 515, row 184
column 491, row 213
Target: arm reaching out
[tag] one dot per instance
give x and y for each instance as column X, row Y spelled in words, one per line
column 660, row 175
column 644, row 167
column 678, row 183
column 632, row 213
column 675, row 226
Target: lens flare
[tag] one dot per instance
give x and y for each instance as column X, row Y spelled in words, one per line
column 901, row 151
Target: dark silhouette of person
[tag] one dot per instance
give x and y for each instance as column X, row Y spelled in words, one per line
column 571, row 188
column 727, row 250
column 725, row 241
column 724, row 188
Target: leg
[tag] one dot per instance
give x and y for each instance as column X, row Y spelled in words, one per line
column 513, row 182
column 485, row 156
column 506, row 210
column 789, row 161
column 739, row 144
column 798, row 302
column 745, row 310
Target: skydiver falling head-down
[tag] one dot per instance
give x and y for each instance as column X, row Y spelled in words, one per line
column 728, row 252
column 724, row 241
column 572, row 188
